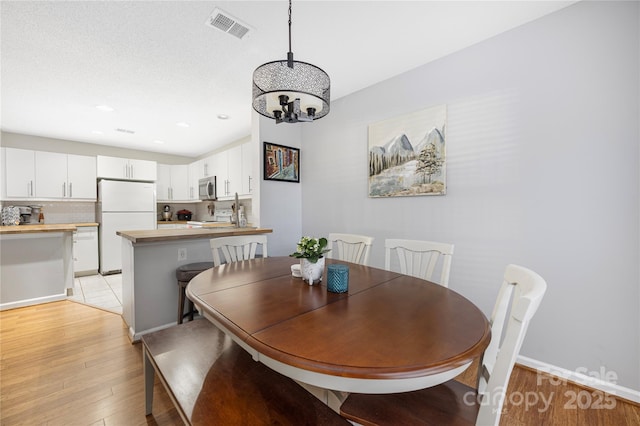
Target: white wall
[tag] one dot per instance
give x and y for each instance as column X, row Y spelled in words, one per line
column 39, row 143
column 543, row 160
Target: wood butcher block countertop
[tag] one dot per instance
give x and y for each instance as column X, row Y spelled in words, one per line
column 157, row 235
column 55, row 227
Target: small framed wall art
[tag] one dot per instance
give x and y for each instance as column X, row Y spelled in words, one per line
column 281, row 163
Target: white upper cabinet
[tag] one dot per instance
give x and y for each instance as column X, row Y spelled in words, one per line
column 220, row 171
column 126, row 169
column 51, row 175
column 247, row 169
column 234, row 170
column 81, row 175
column 206, row 166
column 3, row 182
column 173, row 183
column 20, row 173
column 180, row 182
column 163, row 182
column 228, row 170
column 195, row 172
column 65, row 176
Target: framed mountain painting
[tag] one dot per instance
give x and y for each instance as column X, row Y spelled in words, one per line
column 407, row 155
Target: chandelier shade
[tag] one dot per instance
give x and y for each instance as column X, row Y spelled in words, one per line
column 304, row 82
column 291, row 91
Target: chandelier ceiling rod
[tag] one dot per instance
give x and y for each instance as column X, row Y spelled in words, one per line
column 290, row 53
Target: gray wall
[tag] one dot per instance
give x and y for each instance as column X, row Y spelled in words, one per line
column 278, row 204
column 543, row 159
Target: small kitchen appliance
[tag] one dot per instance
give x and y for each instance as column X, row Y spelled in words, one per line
column 25, row 215
column 166, row 213
column 36, row 214
column 184, row 214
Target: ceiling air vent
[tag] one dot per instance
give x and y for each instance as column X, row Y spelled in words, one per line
column 229, row 24
column 121, row 130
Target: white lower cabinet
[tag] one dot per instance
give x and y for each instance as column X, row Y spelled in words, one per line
column 85, row 250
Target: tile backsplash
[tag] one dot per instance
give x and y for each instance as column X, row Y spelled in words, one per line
column 202, row 210
column 79, row 212
column 61, row 212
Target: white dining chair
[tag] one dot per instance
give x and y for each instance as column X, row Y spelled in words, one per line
column 453, row 402
column 234, row 249
column 350, row 247
column 420, row 258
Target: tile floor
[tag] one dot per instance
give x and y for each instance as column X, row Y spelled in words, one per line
column 104, row 292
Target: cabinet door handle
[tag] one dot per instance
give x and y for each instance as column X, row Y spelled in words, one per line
column 249, row 183
column 70, row 189
column 64, row 189
column 131, row 174
column 31, row 188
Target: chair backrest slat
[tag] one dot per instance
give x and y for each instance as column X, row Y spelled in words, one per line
column 420, row 258
column 237, row 248
column 350, row 247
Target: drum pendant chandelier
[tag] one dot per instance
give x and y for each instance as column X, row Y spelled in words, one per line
column 291, row 91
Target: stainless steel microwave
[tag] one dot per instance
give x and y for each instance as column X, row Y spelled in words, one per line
column 207, row 188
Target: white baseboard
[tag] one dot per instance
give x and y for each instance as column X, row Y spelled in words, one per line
column 135, row 336
column 582, row 379
column 34, row 301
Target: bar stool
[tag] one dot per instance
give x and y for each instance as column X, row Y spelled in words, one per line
column 184, row 274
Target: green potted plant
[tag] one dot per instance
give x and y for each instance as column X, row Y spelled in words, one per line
column 311, row 252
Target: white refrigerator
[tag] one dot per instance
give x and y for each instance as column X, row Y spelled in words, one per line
column 122, row 206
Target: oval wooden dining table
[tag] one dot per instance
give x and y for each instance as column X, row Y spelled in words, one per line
column 389, row 333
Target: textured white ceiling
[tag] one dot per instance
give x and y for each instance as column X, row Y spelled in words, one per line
column 157, row 63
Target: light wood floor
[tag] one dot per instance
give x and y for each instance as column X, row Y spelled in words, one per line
column 64, row 363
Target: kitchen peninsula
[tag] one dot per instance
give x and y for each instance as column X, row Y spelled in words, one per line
column 36, row 264
column 149, row 262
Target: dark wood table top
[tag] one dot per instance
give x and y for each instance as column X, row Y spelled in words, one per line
column 390, row 332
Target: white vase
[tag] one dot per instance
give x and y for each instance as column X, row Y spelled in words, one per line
column 312, row 272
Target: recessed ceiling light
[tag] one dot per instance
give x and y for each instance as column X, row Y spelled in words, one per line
column 97, row 132
column 158, row 142
column 105, row 108
column 182, row 124
column 223, row 116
